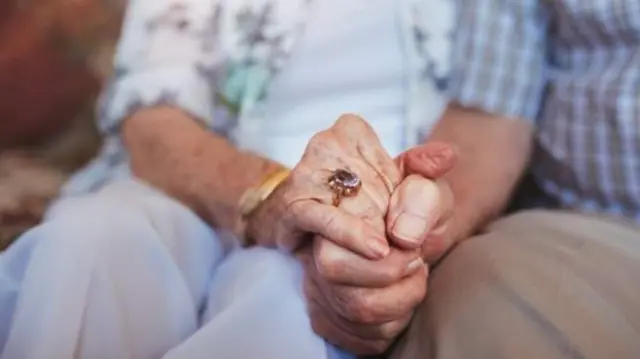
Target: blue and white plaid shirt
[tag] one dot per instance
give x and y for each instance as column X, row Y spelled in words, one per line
column 573, row 68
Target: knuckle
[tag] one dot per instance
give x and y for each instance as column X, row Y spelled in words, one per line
column 360, row 310
column 328, row 265
column 349, row 119
column 321, row 139
column 377, row 347
column 322, row 144
column 324, row 266
column 391, row 272
column 395, row 272
column 353, row 122
column 318, row 326
column 390, row 330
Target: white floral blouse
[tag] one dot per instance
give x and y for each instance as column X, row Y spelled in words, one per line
column 215, row 59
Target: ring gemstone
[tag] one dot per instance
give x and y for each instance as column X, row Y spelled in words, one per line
column 344, row 181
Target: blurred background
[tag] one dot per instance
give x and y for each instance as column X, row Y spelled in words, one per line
column 54, row 57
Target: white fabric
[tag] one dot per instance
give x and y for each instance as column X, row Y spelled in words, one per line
column 126, row 274
column 231, row 52
column 348, row 59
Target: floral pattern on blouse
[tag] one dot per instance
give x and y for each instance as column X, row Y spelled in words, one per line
column 215, row 60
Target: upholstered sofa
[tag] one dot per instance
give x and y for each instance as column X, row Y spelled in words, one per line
column 54, row 57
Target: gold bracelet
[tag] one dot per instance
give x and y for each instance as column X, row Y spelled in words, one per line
column 253, row 198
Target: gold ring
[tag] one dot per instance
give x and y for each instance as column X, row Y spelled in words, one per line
column 343, row 183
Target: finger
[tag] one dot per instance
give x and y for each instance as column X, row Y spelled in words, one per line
column 381, row 162
column 345, row 229
column 362, row 205
column 324, row 322
column 370, row 205
column 361, row 136
column 325, row 328
column 386, row 174
column 339, row 265
column 384, row 331
column 430, row 160
column 371, row 306
column 376, row 306
column 414, row 209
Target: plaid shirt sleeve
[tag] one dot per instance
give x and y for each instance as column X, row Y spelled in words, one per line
column 163, row 58
column 499, row 57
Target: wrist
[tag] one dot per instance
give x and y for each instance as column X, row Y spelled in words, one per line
column 262, row 224
column 469, row 218
column 221, row 191
column 253, row 200
column 198, row 167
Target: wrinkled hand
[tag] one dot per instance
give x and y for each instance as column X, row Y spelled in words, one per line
column 302, row 205
column 362, row 305
column 358, row 304
column 361, row 286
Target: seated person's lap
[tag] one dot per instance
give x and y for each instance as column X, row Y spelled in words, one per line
column 562, row 281
column 519, row 274
column 167, row 266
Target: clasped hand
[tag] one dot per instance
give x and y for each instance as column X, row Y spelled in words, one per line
column 366, row 261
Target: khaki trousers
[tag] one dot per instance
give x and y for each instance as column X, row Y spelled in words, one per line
column 537, row 284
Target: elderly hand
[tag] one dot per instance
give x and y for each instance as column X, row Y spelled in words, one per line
column 362, row 305
column 302, row 205
column 364, row 272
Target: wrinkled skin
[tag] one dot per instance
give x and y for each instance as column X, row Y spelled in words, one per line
column 364, row 261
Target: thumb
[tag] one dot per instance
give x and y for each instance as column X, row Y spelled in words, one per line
column 414, row 209
column 431, row 160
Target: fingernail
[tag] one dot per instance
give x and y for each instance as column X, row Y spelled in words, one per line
column 414, row 266
column 409, row 227
column 380, row 249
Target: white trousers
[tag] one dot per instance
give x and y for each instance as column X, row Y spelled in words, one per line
column 128, row 273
